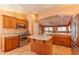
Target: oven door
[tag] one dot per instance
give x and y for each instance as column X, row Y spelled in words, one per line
column 22, row 40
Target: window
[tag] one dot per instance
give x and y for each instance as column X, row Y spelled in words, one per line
column 48, row 29
column 61, row 28
column 69, row 28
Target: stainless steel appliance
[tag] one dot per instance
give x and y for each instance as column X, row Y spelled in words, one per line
column 20, row 26
column 75, row 34
column 22, row 39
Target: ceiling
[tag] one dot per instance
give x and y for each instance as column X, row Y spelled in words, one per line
column 25, row 8
column 57, row 20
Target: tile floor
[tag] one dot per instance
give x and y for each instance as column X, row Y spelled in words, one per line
column 26, row 50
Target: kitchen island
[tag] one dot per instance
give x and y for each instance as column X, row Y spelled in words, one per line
column 41, row 45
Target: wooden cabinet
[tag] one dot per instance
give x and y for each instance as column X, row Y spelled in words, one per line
column 62, row 40
column 6, row 22
column 11, row 22
column 0, row 43
column 28, row 40
column 11, row 43
column 27, row 24
column 57, row 40
column 24, row 22
column 15, row 42
column 41, row 47
column 18, row 21
column 66, row 41
column 77, row 41
column 8, row 44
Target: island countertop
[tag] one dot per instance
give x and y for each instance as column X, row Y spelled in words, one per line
column 40, row 37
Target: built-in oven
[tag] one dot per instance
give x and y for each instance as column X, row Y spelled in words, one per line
column 22, row 39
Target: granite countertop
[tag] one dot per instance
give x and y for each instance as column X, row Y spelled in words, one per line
column 8, row 35
column 57, row 33
column 62, row 33
column 45, row 36
column 40, row 37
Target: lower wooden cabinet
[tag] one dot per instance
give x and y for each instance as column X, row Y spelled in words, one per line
column 15, row 42
column 41, row 47
column 67, row 41
column 28, row 40
column 62, row 40
column 8, row 44
column 77, row 44
column 11, row 43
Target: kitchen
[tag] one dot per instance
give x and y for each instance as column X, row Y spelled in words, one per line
column 43, row 30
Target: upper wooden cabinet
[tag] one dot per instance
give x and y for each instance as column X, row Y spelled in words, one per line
column 24, row 22
column 20, row 21
column 11, row 22
column 6, row 22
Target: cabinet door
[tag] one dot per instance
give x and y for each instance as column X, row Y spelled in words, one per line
column 66, row 41
column 28, row 40
column 15, row 42
column 8, row 44
column 33, row 43
column 6, row 22
column 59, row 40
column 13, row 23
column 54, row 39
column 11, row 43
column 18, row 21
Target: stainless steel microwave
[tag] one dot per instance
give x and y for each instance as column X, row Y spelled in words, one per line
column 20, row 26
